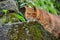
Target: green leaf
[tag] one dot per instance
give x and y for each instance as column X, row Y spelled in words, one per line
column 5, row 11
column 20, row 17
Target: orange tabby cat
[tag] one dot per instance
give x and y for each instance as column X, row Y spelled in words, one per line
column 50, row 22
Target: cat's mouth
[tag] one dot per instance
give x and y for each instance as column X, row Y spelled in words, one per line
column 30, row 19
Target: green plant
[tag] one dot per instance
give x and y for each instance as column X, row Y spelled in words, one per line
column 12, row 16
column 48, row 5
column 5, row 11
column 20, row 17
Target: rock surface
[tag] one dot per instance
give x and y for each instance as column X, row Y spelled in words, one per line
column 24, row 31
column 9, row 5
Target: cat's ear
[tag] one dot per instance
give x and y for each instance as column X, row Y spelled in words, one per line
column 26, row 7
column 34, row 8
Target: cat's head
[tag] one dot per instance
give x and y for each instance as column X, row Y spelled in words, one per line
column 30, row 13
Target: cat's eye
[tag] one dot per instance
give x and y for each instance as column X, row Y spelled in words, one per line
column 29, row 13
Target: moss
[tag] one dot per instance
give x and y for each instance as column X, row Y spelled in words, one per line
column 29, row 31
